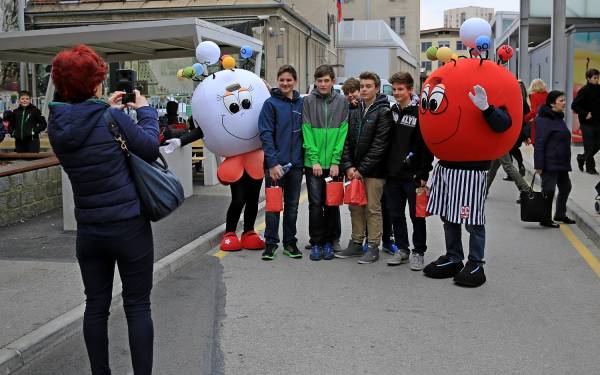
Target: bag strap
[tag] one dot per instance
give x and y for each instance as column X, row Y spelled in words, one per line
column 113, row 128
column 533, row 179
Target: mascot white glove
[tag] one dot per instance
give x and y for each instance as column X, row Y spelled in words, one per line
column 173, row 144
column 480, row 98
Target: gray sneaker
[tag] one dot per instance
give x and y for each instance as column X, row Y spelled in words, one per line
column 400, row 257
column 417, row 262
column 371, row 256
column 337, row 248
column 353, row 250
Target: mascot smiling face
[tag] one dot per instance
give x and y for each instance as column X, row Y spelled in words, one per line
column 226, row 106
column 452, row 127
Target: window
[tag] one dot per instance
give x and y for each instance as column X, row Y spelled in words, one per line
column 426, row 65
column 443, row 43
column 398, row 24
column 459, row 45
column 425, row 46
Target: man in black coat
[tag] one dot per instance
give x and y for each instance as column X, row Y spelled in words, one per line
column 364, row 158
column 587, row 106
column 26, row 124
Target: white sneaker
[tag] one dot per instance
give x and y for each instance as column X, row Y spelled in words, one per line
column 417, row 262
column 400, row 257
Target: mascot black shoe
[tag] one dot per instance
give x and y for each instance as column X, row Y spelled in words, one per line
column 442, row 268
column 472, row 275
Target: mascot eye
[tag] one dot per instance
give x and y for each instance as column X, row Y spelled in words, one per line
column 231, row 104
column 436, row 100
column 245, row 99
column 424, row 100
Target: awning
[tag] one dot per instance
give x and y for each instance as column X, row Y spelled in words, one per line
column 148, row 40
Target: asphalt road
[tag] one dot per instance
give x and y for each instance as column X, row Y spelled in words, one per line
column 537, row 314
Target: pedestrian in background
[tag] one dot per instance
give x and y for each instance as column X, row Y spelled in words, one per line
column 552, row 155
column 324, row 128
column 280, row 127
column 587, row 107
column 408, row 164
column 538, row 92
column 111, row 227
column 26, row 124
column 364, row 158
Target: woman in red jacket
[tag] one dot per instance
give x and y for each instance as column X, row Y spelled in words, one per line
column 538, row 92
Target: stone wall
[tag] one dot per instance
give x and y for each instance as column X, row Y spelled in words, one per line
column 29, row 194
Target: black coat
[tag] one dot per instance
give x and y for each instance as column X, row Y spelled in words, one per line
column 586, row 101
column 26, row 122
column 368, row 138
column 552, row 150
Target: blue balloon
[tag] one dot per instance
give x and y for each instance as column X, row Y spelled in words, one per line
column 483, row 43
column 246, row 52
column 198, row 68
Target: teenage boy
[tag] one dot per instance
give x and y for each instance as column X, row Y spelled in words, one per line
column 26, row 124
column 324, row 128
column 364, row 158
column 587, row 106
column 408, row 166
column 351, row 89
column 280, row 127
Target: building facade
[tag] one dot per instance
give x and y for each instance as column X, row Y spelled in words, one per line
column 292, row 31
column 441, row 37
column 402, row 16
column 453, row 18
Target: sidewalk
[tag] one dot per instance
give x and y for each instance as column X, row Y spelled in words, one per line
column 580, row 206
column 40, row 279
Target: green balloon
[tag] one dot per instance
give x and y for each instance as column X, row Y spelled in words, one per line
column 432, row 53
column 189, row 72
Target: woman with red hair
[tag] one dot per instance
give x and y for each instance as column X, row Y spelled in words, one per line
column 111, row 227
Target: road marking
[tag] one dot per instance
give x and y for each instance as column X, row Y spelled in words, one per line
column 585, row 253
column 259, row 228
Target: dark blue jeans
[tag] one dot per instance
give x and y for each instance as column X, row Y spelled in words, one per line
column 129, row 244
column 397, row 194
column 323, row 221
column 291, row 184
column 454, row 248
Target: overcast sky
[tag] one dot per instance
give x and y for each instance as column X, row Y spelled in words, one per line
column 432, row 11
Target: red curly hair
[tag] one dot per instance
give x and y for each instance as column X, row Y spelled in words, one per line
column 76, row 72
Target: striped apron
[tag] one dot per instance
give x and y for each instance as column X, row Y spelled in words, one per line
column 458, row 195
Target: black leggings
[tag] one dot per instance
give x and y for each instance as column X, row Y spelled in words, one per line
column 244, row 192
column 97, row 253
column 515, row 153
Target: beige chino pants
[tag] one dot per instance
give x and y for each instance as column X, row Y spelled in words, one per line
column 369, row 218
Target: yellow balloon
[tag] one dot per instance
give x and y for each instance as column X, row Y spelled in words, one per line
column 444, row 54
column 228, row 62
column 180, row 74
column 454, row 57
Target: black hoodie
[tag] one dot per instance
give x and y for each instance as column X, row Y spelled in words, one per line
column 409, row 157
column 588, row 101
column 368, row 138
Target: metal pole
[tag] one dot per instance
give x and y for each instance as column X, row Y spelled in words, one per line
column 23, row 66
column 368, row 9
column 524, row 68
column 558, row 45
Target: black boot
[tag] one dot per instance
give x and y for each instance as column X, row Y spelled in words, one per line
column 442, row 268
column 471, row 275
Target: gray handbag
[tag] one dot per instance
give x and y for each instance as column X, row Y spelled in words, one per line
column 159, row 190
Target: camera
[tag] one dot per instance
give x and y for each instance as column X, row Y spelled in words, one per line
column 125, row 81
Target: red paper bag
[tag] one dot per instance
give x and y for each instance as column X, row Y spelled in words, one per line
column 274, row 196
column 355, row 194
column 334, row 193
column 422, row 200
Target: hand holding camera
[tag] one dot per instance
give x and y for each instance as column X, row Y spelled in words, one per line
column 118, row 97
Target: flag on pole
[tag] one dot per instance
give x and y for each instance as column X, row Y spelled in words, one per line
column 339, row 9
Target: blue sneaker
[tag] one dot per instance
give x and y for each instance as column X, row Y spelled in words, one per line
column 316, row 253
column 328, row 251
column 365, row 247
column 389, row 247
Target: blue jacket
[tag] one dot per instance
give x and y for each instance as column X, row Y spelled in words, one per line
column 552, row 149
column 280, row 127
column 103, row 189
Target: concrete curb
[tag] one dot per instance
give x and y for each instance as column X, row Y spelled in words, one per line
column 586, row 222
